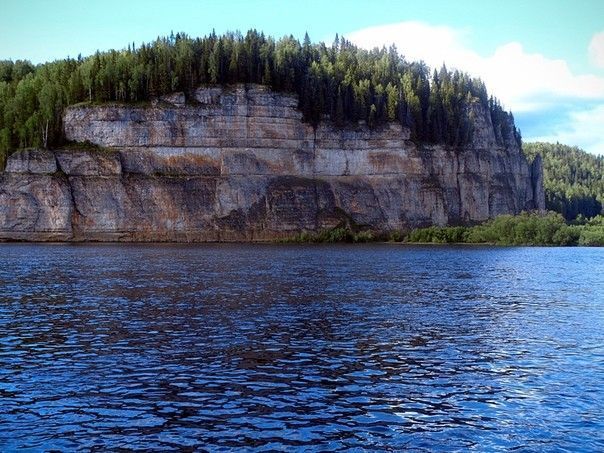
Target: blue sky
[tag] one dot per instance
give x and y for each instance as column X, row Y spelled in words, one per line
column 543, row 59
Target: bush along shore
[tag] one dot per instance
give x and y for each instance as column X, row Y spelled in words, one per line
column 528, row 229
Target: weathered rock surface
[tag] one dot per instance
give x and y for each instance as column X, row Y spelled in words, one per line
column 32, row 161
column 239, row 164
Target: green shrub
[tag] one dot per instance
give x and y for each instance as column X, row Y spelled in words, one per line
column 395, row 236
column 596, row 221
column 592, row 236
column 567, row 235
column 338, row 234
column 364, row 236
column 438, row 235
column 523, row 229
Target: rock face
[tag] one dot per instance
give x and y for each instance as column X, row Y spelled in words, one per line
column 239, row 163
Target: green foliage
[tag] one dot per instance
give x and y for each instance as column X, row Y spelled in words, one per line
column 338, row 234
column 596, row 221
column 438, row 235
column 573, row 179
column 592, row 233
column 592, row 237
column 340, row 81
column 395, row 236
column 523, row 229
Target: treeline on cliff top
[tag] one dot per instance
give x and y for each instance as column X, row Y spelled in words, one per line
column 342, row 81
column 572, row 178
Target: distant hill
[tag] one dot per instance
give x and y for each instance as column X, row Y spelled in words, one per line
column 573, row 179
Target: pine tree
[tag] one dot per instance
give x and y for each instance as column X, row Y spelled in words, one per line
column 341, row 81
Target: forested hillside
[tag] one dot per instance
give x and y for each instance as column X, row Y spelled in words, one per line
column 342, row 81
column 573, row 179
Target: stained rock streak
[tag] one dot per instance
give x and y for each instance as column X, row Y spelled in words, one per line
column 239, row 164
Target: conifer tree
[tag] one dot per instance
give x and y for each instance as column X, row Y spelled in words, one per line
column 341, row 82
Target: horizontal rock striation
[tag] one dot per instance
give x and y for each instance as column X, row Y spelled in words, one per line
column 239, row 163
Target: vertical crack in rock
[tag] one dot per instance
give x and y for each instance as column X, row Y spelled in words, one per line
column 161, row 183
column 74, row 207
column 458, row 172
column 74, row 210
column 536, row 177
column 314, row 177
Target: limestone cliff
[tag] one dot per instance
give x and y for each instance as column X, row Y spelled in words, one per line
column 239, row 163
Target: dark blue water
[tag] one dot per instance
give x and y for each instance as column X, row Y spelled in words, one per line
column 301, row 347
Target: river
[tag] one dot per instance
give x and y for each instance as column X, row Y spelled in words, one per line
column 301, row 347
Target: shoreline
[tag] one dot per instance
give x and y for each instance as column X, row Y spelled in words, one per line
column 295, row 243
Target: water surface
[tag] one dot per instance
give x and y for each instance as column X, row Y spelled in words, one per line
column 221, row 347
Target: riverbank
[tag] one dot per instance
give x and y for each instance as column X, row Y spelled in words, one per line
column 528, row 229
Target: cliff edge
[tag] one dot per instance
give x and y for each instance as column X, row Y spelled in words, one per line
column 239, row 164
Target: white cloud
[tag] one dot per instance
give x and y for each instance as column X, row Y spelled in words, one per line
column 529, row 81
column 418, row 41
column 596, row 50
column 523, row 81
column 584, row 129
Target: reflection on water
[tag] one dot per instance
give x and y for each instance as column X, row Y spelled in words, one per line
column 300, row 347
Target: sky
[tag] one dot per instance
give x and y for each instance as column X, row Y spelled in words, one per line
column 543, row 59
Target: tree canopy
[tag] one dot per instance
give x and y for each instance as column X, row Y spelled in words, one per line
column 340, row 81
column 573, row 179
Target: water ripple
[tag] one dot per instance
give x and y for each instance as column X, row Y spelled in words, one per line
column 312, row 348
